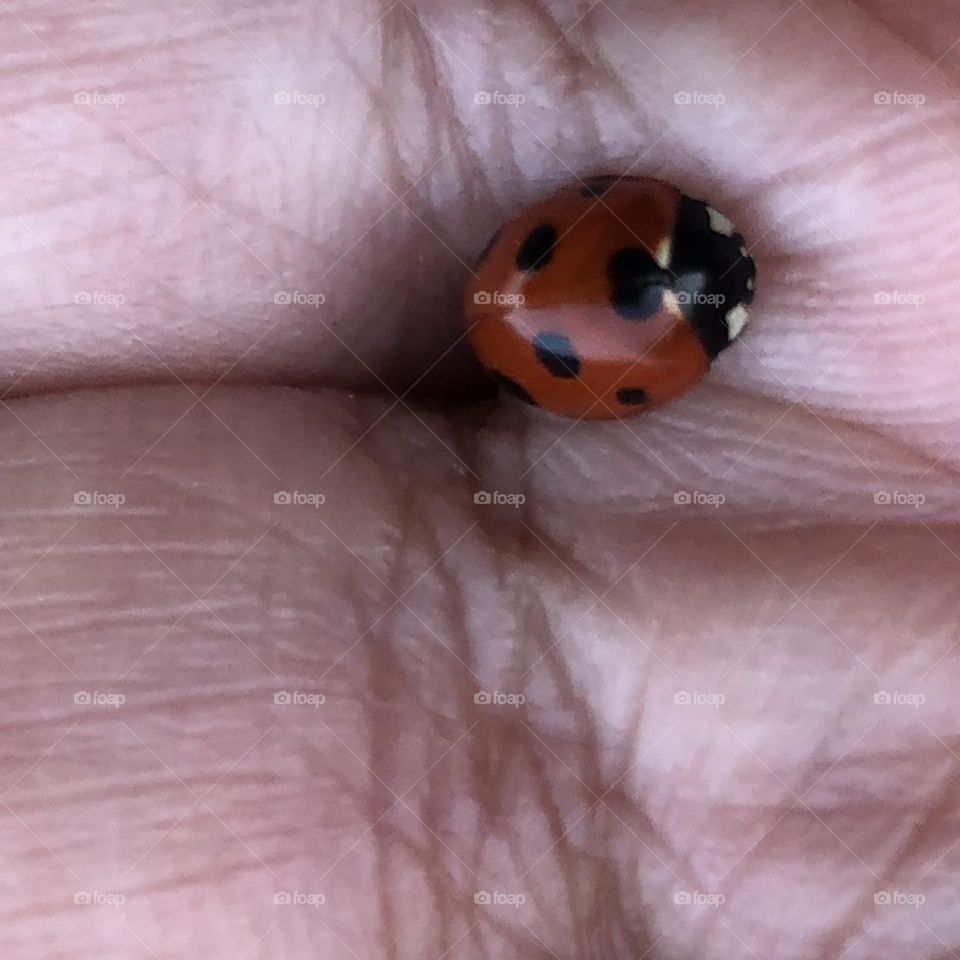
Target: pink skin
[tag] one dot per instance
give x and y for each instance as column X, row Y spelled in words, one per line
column 783, row 789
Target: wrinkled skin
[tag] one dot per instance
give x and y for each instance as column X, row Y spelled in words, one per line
column 782, row 799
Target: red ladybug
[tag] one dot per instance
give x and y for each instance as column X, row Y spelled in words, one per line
column 609, row 298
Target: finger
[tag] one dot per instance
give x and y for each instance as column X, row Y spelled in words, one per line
column 330, row 216
column 400, row 599
column 261, row 694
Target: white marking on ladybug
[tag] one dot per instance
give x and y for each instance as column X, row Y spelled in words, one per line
column 671, row 304
column 736, row 320
column 751, row 283
column 743, row 252
column 664, row 253
column 719, row 223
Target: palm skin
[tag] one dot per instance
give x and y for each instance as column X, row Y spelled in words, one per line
column 704, row 764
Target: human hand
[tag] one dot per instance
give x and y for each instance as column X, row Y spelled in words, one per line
column 606, row 799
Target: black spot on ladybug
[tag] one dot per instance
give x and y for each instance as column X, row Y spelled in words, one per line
column 513, row 388
column 637, row 302
column 630, row 264
column 536, row 251
column 556, row 353
column 637, row 283
column 632, row 397
column 710, row 274
column 485, row 252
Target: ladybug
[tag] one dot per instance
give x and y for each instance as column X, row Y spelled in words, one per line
column 608, row 298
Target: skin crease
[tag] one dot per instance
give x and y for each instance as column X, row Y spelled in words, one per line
column 601, row 800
